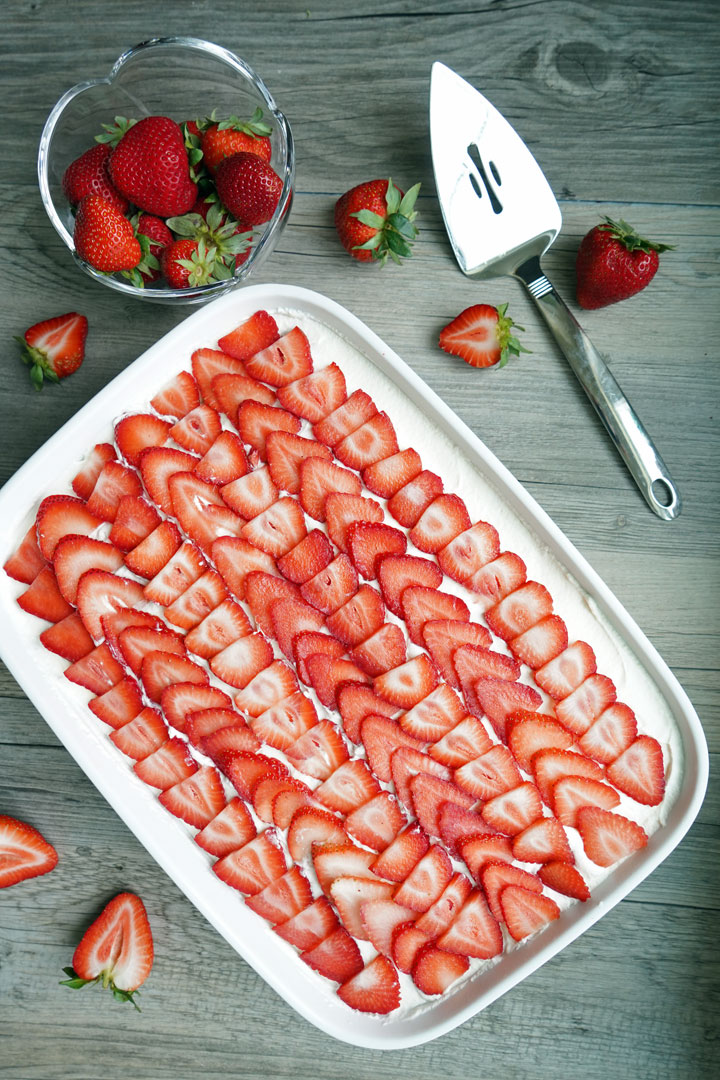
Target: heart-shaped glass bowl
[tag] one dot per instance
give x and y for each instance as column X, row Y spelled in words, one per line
column 183, row 78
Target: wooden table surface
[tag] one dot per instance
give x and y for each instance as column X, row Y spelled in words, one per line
column 619, row 102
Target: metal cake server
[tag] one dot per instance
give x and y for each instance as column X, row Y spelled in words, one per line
column 501, row 217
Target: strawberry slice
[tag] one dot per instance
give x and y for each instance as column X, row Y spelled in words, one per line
column 223, row 625
column 490, row 774
column 579, row 709
column 287, row 802
column 498, row 876
column 375, row 989
column 278, row 529
column 236, row 559
column 407, row 942
column 355, row 701
column 134, row 520
column 466, row 741
column 201, row 511
column 401, row 855
column 241, row 661
column 444, row 637
column 421, row 604
column 565, row 879
column 225, row 460
column 337, row 956
column 426, row 881
column 373, row 441
column 410, row 501
column 319, row 479
column 178, row 396
column 640, row 771
column 244, row 768
column 497, row 579
column 469, row 551
column 569, row 793
column 389, row 474
column 100, row 593
column 198, row 601
column 479, row 851
column 367, row 542
column 86, row 477
column 343, row 510
column 206, row 364
column 115, row 622
column 405, row 763
column 251, row 336
column 444, row 519
column 567, row 670
column 377, row 822
column 610, row 734
column 252, row 867
column 313, row 826
column 166, row 766
column 59, row 516
column 435, row 970
column 326, row 674
column 261, row 591
column 350, row 894
column 229, row 830
column 457, row 824
column 255, row 421
column 24, row 852
column 434, row 716
column 231, row 390
column 154, row 552
column 473, row 662
column 543, row 841
column 548, row 766
column 311, row 926
column 309, row 643
column 332, row 861
column 178, row 574
column 499, row 698
column 346, row 418
column 135, row 433
column 27, row 560
column 383, row 650
column 135, row 642
column 285, row 454
column 382, row 736
column 380, row 920
column 348, row 787
column 307, row 558
column 332, row 586
column 541, row 643
column 228, row 740
column 475, row 932
column 525, row 912
column 68, row 638
column 358, row 618
column 75, row 554
column 44, row 599
column 319, row 751
column 180, row 700
column 282, row 724
column 533, row 733
column 287, row 359
column 269, row 687
column 116, row 949
column 199, row 723
column 520, row 610
column 316, row 395
column 250, row 494
column 428, row 794
column 160, row 669
column 113, row 484
column 281, row 899
column 513, row 811
column 197, row 799
column 408, row 684
column 290, row 617
column 439, row 916
column 157, row 465
column 395, row 573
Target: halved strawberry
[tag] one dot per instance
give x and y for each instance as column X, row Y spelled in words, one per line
column 229, row 830
column 469, row 551
column 282, row 724
column 466, row 741
column 513, row 811
column 401, row 855
column 287, row 802
column 286, row 453
column 266, row 790
column 358, row 617
column 251, row 336
column 426, row 881
column 311, row 926
column 326, row 674
column 224, row 461
column 346, row 418
column 198, row 601
column 27, row 560
column 344, row 512
column 475, row 932
column 565, row 879
column 533, row 733
column 178, row 396
column 319, row 479
column 640, row 771
column 180, row 700
column 43, row 598
column 499, row 698
column 567, row 670
column 116, row 950
column 291, row 617
column 287, row 359
column 405, row 763
column 350, row 894
column 135, row 519
column 113, row 484
column 166, row 766
column 61, row 515
column 383, row 650
column 197, row 799
column 525, row 912
column 380, row 919
column 201, row 511
column 381, row 736
column 438, row 917
column 177, row 575
column 569, row 793
column 135, row 642
column 497, row 579
column 541, row 643
column 354, row 702
column 231, row 390
column 395, row 573
column 319, row 751
column 377, row 822
column 281, row 899
column 269, row 687
column 313, row 826
column 429, row 793
column 157, row 465
column 337, row 956
column 135, row 433
column 206, row 364
column 408, row 684
column 309, row 643
column 98, row 671
column 251, row 868
column 548, row 766
column 313, row 396
column 348, row 787
column 332, row 586
column 236, row 559
column 498, row 876
column 85, row 478
column 542, row 841
column 435, row 715
column 435, row 970
column 443, row 637
column 307, row 558
column 115, row 622
column 407, row 942
column 375, row 989
column 255, row 421
column 100, row 593
column 278, row 529
column 578, row 710
column 242, row 660
column 412, row 499
column 610, row 734
column 519, row 610
column 68, row 638
column 444, row 519
column 24, row 852
column 484, row 848
column 420, row 604
column 160, row 669
column 154, row 552
column 389, row 474
column 373, row 441
column 332, row 861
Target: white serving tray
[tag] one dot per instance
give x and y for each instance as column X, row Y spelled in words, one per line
column 63, row 705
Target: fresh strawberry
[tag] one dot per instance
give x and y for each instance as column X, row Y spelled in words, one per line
column 348, row 787
column 150, row 167
column 158, row 464
column 469, row 551
column 252, row 867
column 337, row 956
column 355, row 702
column 248, row 187
column 114, row 483
column 114, row 622
column 197, row 799
column 104, row 238
column 579, row 709
column 200, row 509
column 220, row 140
column 475, row 931
column 406, row 761
column 177, row 575
column 439, row 916
column 382, row 736
column 466, row 741
column 408, row 684
column 640, row 771
column 332, row 861
column 288, row 801
column 483, row 848
column 44, row 599
column 542, row 841
column 209, row 363
column 24, row 852
column 319, row 479
column 223, row 742
column 398, row 859
column 565, row 879
column 118, row 705
column 567, row 670
column 525, row 912
column 319, row 751
column 383, row 650
column 97, row 671
column 266, row 790
column 245, row 768
column 435, row 715
column 225, row 624
column 497, row 579
column 142, row 735
column 519, row 610
column 428, row 793
column 272, row 685
column 166, row 766
column 251, row 336
column 380, row 919
column 203, row 722
column 27, row 560
column 261, row 590
column 386, row 476
column 569, row 793
column 548, row 766
column 314, row 396
column 181, row 700
column 154, row 232
column 311, row 825
column 160, row 669
column 473, row 662
column 197, row 602
column 178, row 396
column 413, row 498
column 396, row 573
column 444, row 519
column 358, row 618
column 255, row 421
column 285, row 454
column 134, row 520
column 188, row 262
column 74, row 555
column 529, row 733
column 229, row 830
column 351, row 894
column 497, row 876
column 149, row 557
column 311, row 926
column 278, row 529
column 610, row 734
column 250, row 494
column 68, row 638
column 344, row 511
column 241, row 661
column 286, row 360
column 426, row 881
column 282, row 724
column 375, row 989
column 541, row 643
column 89, row 175
column 375, row 220
column 614, row 263
column 346, row 418
column 100, row 593
column 513, row 811
column 435, row 969
column 373, row 441
column 407, row 942
column 370, row 541
column 377, row 822
column 308, row 558
column 54, row 348
column 498, row 698
column 197, row 430
column 283, row 898
column 482, row 336
column 116, row 950
column 420, row 604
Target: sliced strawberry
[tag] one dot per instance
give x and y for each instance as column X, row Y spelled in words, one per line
column 229, row 830
column 135, row 642
column 27, row 560
column 68, row 638
column 252, row 335
column 541, row 643
column 346, row 418
column 311, row 926
column 242, row 660
column 61, row 515
column 443, row 637
column 484, row 848
column 569, row 793
column 408, row 684
column 373, row 441
column 230, row 390
column 178, row 396
column 287, row 359
column 405, row 763
column 435, row 970
column 345, row 512
column 457, row 823
column 319, row 479
column 309, row 643
column 426, row 881
column 198, row 601
column 381, row 736
column 266, row 790
column 337, row 956
column 135, row 433
column 548, row 766
column 469, row 551
column 396, row 573
column 98, row 671
column 201, row 511
column 565, row 879
column 261, row 591
column 250, row 494
column 285, row 454
column 348, row 787
column 429, row 793
column 326, row 674
column 513, row 811
column 100, row 593
column 407, row 942
column 158, row 464
column 224, row 461
column 490, row 774
column 332, row 586
column 579, row 709
column 269, row 687
column 498, row 876
column 118, row 705
column 278, row 529
column 466, row 741
column 180, row 700
column 358, row 618
column 534, row 733
column 252, row 867
column 444, row 519
column 332, row 861
column 369, row 542
column 160, row 669
column 206, row 721
column 435, row 715
column 402, row 854
column 525, row 912
column 499, row 698
column 375, row 989
column 291, row 617
column 135, row 519
column 86, row 477
column 307, row 558
column 255, row 421
column 314, row 396
column 177, row 575
column 154, row 552
column 223, row 625
column 115, row 622
column 520, row 610
column 640, row 771
column 473, row 662
column 610, row 734
column 319, row 752
column 244, row 768
column 383, row 650
column 113, row 484
column 377, row 822
column 350, row 894
column 206, row 364
column 387, row 475
column 228, row 740
column 313, row 826
column 197, row 799
column 497, row 579
column 282, row 724
column 24, row 852
column 166, row 766
column 117, row 948
column 354, row 702
column 412, row 499
column 287, row 802
column 283, row 898
column 236, row 559
column 475, row 932
column 420, row 605
column 542, row 841
column 567, row 670
column 380, row 920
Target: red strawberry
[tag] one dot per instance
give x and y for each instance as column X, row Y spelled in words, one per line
column 223, row 742
column 412, row 499
column 281, row 899
column 207, row 364
column 610, row 734
column 497, row 579
column 395, row 573
column 380, row 920
column 113, row 484
column 251, row 336
column 497, row 876
column 408, row 684
column 435, row 970
column 337, row 956
column 286, row 360
column 640, row 772
column 24, row 852
column 230, row 136
column 116, row 950
column 484, row 848
column 383, row 650
column 513, row 811
column 355, row 702
column 531, row 733
column 272, row 685
column 285, row 454
column 402, row 855
column 311, row 926
column 350, row 894
column 100, row 593
column 565, row 879
column 134, row 520
column 569, row 793
column 348, row 787
column 255, row 421
column 245, row 768
column 250, row 494
column 241, row 661
column 542, row 841
column 229, row 830
column 154, row 552
column 343, row 511
column 44, row 599
column 426, row 881
column 203, row 722
column 473, row 662
column 475, row 932
column 525, row 912
column 181, row 700
column 435, row 715
column 370, row 541
column 358, row 618
column 374, row 220
column 178, row 396
column 160, row 669
column 27, row 560
column 428, row 793
column 316, row 395
column 248, row 187
column 444, row 519
column 406, row 761
column 252, row 867
column 388, row 475
column 150, row 167
column 332, row 861
column 438, row 917
column 76, row 554
column 103, row 237
column 118, row 705
column 377, row 823
column 188, row 262
column 614, row 263
column 68, row 638
column 154, row 232
column 157, row 466
column 519, row 610
column 278, row 529
column 319, row 751
column 261, row 590
column 577, row 711
column 54, row 348
column 407, row 942
column 197, row 430
column 225, row 624
column 313, row 826
column 196, row 799
column 97, row 671
column 482, row 336
column 498, row 698
column 345, row 419
column 549, row 766
column 466, row 741
column 567, row 670
column 375, row 989
column 373, row 441
column 382, row 736
column 224, row 461
column 470, row 551
column 282, row 724
column 420, row 604
column 89, row 175
column 114, row 622
column 307, row 558
column 541, row 643
column 177, row 575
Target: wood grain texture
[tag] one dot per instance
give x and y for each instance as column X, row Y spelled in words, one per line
column 622, row 114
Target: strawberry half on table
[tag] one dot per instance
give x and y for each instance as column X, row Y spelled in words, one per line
column 482, row 336
column 24, row 852
column 54, row 348
column 376, row 220
column 116, row 951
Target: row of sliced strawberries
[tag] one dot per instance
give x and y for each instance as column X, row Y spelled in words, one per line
column 303, row 590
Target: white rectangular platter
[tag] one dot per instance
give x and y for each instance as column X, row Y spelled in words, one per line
column 168, row 840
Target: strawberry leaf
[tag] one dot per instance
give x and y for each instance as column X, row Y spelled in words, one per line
column 369, row 218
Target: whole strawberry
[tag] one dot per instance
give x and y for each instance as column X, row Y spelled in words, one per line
column 104, row 238
column 150, row 167
column 54, row 348
column 210, row 222
column 230, row 136
column 248, row 187
column 376, row 220
column 88, row 175
column 158, row 236
column 613, row 263
column 187, row 263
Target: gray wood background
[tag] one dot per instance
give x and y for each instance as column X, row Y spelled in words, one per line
column 619, row 101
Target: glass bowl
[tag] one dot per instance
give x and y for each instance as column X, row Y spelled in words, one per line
column 183, row 78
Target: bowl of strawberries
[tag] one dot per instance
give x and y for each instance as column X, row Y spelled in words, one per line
column 171, row 178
